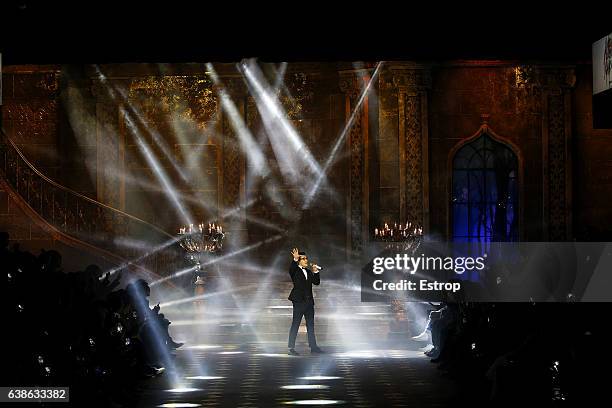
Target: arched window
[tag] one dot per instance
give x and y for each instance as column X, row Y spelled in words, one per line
column 484, row 198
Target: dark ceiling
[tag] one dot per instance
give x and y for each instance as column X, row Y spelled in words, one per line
column 108, row 32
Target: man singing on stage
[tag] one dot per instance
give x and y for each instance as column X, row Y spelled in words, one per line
column 303, row 302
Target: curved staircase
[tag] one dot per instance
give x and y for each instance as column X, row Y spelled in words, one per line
column 81, row 222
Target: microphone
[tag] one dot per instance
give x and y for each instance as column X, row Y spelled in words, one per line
column 316, row 266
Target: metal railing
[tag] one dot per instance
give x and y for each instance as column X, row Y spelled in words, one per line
column 85, row 219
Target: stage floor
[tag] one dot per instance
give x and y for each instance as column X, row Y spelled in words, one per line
column 235, row 358
column 251, row 376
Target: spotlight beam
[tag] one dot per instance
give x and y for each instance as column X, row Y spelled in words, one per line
column 340, row 140
column 220, row 259
column 135, row 112
column 247, row 141
column 174, row 275
column 142, row 305
column 246, row 249
column 206, row 296
column 131, row 180
column 251, row 308
column 276, row 123
column 159, row 172
column 249, row 146
column 142, row 257
column 118, row 94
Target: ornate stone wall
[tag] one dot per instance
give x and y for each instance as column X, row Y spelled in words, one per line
column 461, row 93
column 592, row 165
column 420, row 113
column 161, row 133
column 30, row 118
column 30, row 114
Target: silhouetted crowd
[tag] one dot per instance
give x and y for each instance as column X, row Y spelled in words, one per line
column 546, row 354
column 79, row 329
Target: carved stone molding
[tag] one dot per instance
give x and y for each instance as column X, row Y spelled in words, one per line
column 356, row 191
column 556, row 84
column 233, row 168
column 413, row 159
column 232, row 163
column 411, row 78
column 412, row 85
column 31, row 111
column 556, row 78
column 352, row 85
column 557, row 159
column 33, row 85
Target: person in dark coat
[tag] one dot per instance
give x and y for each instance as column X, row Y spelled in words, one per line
column 303, row 302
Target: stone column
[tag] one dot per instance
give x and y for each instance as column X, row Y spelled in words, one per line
column 556, row 84
column 412, row 83
column 232, row 187
column 353, row 84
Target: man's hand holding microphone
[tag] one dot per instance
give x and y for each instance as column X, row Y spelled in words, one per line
column 296, row 257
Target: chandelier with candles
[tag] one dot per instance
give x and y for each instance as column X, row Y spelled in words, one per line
column 400, row 237
column 205, row 239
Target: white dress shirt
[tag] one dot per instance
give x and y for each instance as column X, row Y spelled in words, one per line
column 305, row 273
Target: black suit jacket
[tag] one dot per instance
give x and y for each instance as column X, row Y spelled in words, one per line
column 302, row 287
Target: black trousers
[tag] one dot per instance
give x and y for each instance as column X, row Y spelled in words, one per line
column 305, row 309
